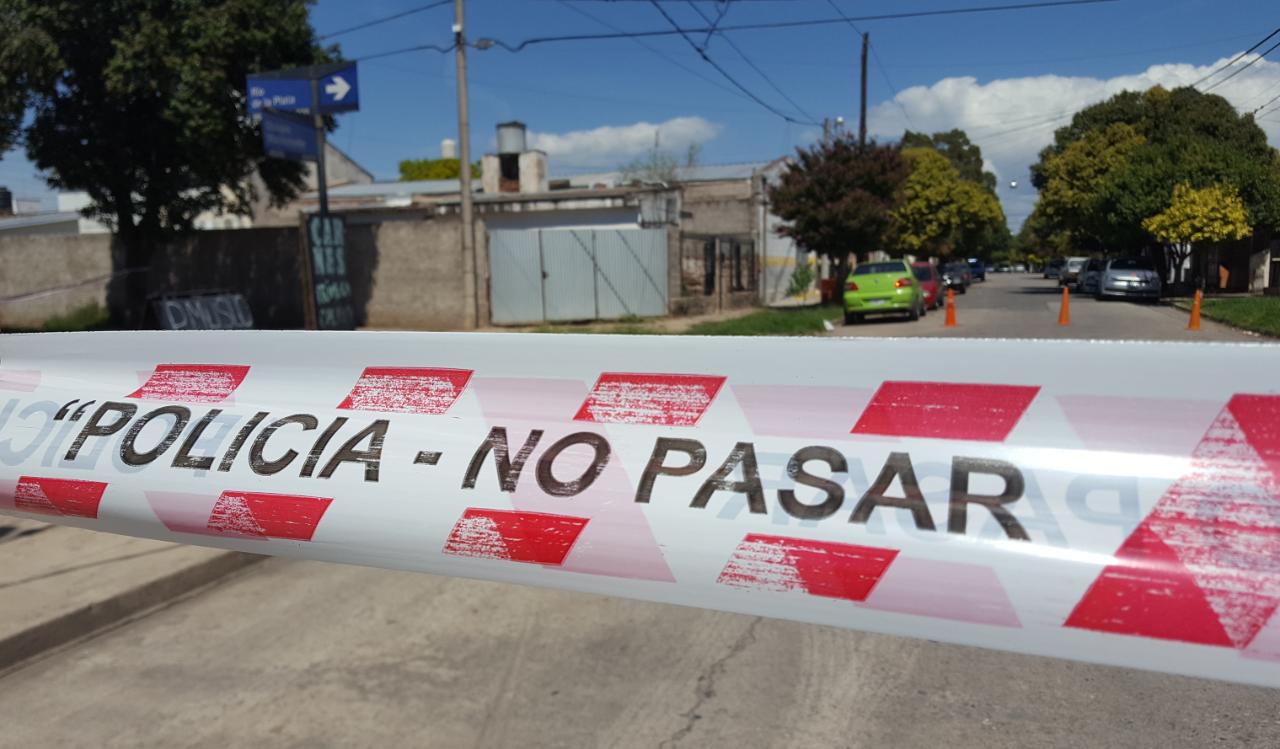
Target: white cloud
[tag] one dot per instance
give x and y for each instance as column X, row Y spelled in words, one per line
column 1013, row 118
column 611, row 145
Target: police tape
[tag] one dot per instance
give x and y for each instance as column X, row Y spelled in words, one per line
column 1112, row 502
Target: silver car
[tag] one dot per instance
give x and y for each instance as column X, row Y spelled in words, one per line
column 1129, row 277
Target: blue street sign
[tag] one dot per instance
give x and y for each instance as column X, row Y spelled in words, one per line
column 287, row 136
column 290, row 90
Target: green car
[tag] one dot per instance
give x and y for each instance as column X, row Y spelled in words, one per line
column 881, row 288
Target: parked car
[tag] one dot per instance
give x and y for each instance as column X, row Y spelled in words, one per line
column 1090, row 276
column 1020, row 268
column 1053, row 269
column 882, row 287
column 977, row 269
column 957, row 276
column 1003, row 268
column 1129, row 277
column 1071, row 270
column 930, row 280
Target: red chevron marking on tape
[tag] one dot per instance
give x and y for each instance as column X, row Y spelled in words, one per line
column 1204, row 566
column 58, row 497
column 533, row 537
column 192, row 383
column 259, row 515
column 413, row 390
column 658, row 399
column 946, row 410
column 819, row 568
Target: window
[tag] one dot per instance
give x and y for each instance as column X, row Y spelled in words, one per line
column 923, row 272
column 867, row 269
column 735, row 264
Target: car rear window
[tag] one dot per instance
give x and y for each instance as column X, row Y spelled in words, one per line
column 867, row 269
column 1075, row 264
column 923, row 272
column 1131, row 263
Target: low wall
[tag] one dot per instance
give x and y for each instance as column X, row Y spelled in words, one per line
column 405, row 271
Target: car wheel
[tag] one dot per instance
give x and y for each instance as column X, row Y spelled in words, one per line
column 851, row 319
column 964, row 289
column 924, row 308
column 914, row 314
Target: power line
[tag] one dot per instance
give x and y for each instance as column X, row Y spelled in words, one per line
column 384, row 19
column 1246, row 66
column 654, row 50
column 748, row 60
column 875, row 56
column 520, row 46
column 418, row 48
column 1235, row 59
column 707, row 59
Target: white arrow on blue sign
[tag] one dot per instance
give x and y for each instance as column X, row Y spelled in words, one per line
column 289, row 90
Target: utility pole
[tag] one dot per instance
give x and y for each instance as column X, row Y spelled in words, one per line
column 862, row 106
column 826, row 131
column 471, row 316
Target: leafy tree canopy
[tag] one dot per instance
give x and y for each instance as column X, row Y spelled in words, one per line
column 140, row 103
column 1210, row 214
column 1136, row 147
column 965, row 156
column 940, row 212
column 416, row 169
column 838, row 197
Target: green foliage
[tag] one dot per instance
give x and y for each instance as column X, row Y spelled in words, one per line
column 801, row 280
column 418, row 169
column 1116, row 165
column 802, row 321
column 839, row 197
column 1075, row 182
column 1211, row 214
column 141, row 103
column 941, row 212
column 965, row 156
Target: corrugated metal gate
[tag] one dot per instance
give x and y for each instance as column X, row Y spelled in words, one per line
column 559, row 275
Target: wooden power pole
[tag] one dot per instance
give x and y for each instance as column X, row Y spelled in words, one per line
column 470, row 282
column 862, row 105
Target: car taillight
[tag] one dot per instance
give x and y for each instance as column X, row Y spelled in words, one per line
column 902, row 282
column 850, row 286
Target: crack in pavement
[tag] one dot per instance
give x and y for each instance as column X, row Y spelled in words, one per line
column 706, row 688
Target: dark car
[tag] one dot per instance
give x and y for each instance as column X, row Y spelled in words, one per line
column 957, row 276
column 1053, row 269
column 1090, row 276
column 1070, row 272
column 931, row 283
column 977, row 269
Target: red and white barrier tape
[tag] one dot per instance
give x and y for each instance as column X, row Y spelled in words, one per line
column 1109, row 502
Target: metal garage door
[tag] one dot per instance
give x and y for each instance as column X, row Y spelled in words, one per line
column 559, row 275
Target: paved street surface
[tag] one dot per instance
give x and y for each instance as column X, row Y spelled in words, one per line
column 1024, row 305
column 305, row 654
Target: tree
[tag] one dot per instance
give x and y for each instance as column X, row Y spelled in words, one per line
column 940, row 212
column 1208, row 215
column 1186, row 137
column 658, row 165
column 1074, row 183
column 416, row 169
column 140, row 103
column 838, row 197
column 964, row 155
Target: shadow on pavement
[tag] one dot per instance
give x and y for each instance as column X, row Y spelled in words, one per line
column 1055, row 289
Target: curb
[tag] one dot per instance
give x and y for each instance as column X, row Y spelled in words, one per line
column 73, row 625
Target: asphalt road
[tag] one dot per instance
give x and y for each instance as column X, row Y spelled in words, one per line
column 307, row 654
column 1022, row 305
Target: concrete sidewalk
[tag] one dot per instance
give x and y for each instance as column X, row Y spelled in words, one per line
column 58, row 584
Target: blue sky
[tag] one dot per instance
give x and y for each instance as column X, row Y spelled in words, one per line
column 594, row 104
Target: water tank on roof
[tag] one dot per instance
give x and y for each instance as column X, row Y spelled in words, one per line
column 511, row 138
column 448, row 149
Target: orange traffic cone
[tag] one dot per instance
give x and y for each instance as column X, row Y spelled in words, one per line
column 1064, row 315
column 951, row 309
column 1195, row 312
